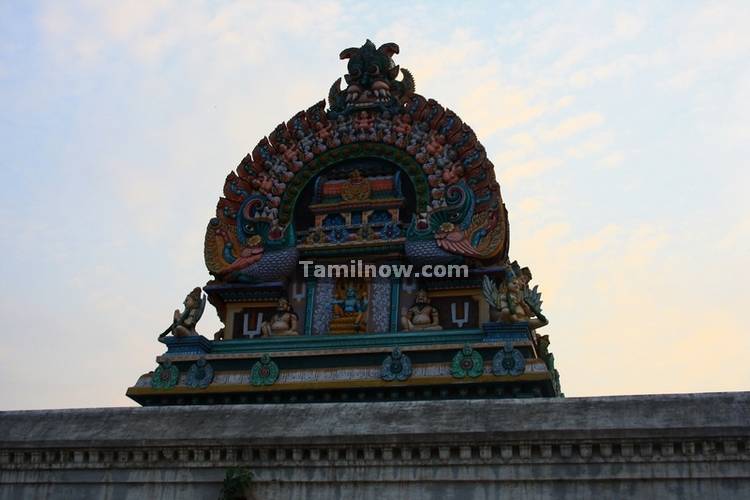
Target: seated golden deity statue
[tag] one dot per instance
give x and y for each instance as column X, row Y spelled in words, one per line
column 350, row 311
column 421, row 316
column 282, row 323
column 356, row 188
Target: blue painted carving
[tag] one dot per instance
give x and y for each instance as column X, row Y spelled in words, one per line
column 396, row 366
column 514, row 332
column 333, row 220
column 200, row 375
column 338, row 234
column 390, row 231
column 270, row 267
column 508, row 361
column 193, row 344
column 380, row 216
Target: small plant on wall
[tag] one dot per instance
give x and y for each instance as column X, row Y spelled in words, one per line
column 236, row 483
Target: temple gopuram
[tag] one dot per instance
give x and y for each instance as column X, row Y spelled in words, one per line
column 378, row 177
column 378, row 343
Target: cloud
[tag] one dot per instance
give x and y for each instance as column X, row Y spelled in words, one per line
column 528, row 207
column 572, row 126
column 621, row 68
column 591, row 146
column 494, row 107
column 531, row 168
column 628, row 25
column 613, row 159
column 682, row 80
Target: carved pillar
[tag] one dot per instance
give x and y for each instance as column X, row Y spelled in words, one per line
column 381, row 306
column 395, row 305
column 322, row 311
column 310, row 288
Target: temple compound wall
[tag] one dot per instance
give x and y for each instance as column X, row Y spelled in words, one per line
column 663, row 446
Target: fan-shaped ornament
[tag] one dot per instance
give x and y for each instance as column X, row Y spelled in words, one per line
column 264, row 372
column 509, row 361
column 396, row 366
column 200, row 374
column 467, row 363
column 165, row 376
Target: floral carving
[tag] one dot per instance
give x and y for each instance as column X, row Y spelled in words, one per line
column 165, row 376
column 467, row 363
column 264, row 372
column 396, row 366
column 200, row 375
column 508, row 361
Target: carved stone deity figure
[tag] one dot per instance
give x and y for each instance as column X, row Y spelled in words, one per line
column 421, row 316
column 183, row 324
column 282, row 323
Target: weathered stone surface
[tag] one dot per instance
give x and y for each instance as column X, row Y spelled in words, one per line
column 673, row 446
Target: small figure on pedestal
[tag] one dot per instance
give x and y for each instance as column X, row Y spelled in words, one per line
column 282, row 323
column 513, row 301
column 421, row 316
column 184, row 322
column 349, row 310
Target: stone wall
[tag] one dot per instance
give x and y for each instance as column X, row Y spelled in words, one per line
column 673, row 446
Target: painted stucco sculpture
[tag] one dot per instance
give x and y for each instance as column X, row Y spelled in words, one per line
column 165, row 376
column 371, row 81
column 508, row 361
column 512, row 300
column 396, row 366
column 467, row 363
column 200, row 374
column 283, row 322
column 459, row 210
column 421, row 316
column 374, row 176
column 264, row 372
column 183, row 324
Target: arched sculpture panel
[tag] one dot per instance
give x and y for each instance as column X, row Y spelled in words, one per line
column 381, row 178
column 460, row 214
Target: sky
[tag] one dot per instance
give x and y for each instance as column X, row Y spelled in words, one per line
column 620, row 133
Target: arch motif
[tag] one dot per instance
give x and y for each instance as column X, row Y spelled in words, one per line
column 352, row 151
column 458, row 198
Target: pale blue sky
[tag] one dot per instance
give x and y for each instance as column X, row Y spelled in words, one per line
column 619, row 130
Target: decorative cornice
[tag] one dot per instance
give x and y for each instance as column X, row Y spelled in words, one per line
column 457, row 452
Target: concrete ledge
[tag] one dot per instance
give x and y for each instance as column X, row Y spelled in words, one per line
column 679, row 446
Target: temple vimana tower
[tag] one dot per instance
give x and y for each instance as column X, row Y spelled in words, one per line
column 379, row 177
column 379, row 342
